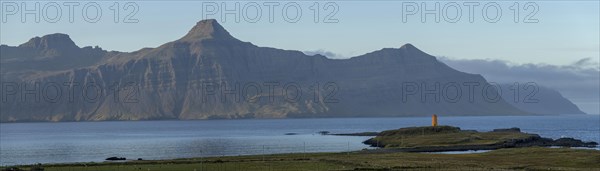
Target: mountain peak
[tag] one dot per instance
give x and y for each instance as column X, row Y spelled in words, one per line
column 411, row 49
column 51, row 41
column 408, row 46
column 207, row 29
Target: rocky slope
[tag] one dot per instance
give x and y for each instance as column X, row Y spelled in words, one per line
column 209, row 74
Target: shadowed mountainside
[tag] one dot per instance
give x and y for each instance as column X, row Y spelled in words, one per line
column 538, row 99
column 209, row 74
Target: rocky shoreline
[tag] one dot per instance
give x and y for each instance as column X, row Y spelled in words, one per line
column 530, row 140
column 533, row 142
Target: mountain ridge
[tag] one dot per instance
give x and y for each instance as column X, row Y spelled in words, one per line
column 50, row 41
column 170, row 83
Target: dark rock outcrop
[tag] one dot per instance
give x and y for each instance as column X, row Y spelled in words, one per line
column 115, row 158
column 357, row 134
column 572, row 142
column 514, row 129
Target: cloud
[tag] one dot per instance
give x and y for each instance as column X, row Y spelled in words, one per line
column 326, row 53
column 585, row 63
column 579, row 81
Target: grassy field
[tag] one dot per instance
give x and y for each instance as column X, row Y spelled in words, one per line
column 534, row 158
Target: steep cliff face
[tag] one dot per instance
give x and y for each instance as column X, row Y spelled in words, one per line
column 538, row 99
column 209, row 74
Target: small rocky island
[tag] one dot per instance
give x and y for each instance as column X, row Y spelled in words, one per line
column 449, row 138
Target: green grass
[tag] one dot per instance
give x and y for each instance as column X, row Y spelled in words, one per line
column 534, row 158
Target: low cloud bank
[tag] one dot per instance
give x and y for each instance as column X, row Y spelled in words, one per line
column 578, row 82
column 326, row 53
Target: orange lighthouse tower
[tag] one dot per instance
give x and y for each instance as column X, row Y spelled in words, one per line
column 434, row 120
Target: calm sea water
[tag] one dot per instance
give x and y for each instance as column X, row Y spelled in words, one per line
column 27, row 143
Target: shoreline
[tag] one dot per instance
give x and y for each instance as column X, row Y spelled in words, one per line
column 530, row 140
column 449, row 138
column 323, row 117
column 97, row 159
column 504, row 159
column 364, row 151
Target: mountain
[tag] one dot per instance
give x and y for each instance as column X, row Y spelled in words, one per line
column 209, row 74
column 538, row 99
column 53, row 52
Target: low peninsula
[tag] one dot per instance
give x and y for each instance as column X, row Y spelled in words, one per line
column 449, row 138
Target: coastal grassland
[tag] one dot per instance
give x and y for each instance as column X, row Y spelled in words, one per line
column 442, row 136
column 531, row 158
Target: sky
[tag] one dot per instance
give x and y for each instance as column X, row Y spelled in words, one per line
column 541, row 33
